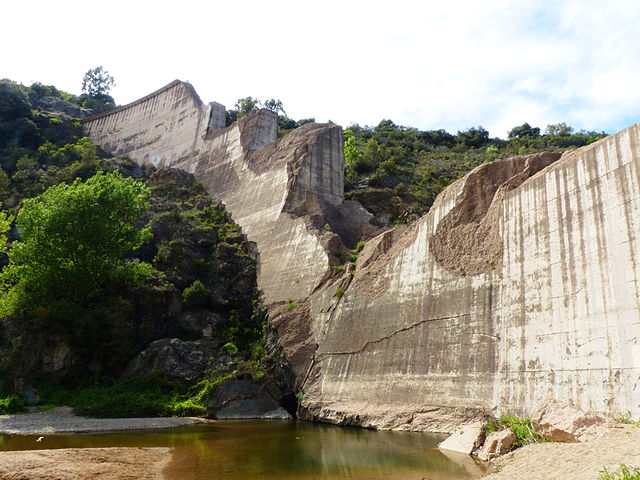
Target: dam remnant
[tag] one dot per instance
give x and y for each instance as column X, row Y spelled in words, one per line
column 521, row 284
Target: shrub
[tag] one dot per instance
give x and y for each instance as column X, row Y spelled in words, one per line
column 625, row 472
column 11, row 404
column 230, row 348
column 196, row 295
column 522, row 428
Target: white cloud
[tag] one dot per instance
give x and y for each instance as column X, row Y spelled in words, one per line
column 431, row 65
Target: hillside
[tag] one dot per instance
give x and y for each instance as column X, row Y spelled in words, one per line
column 193, row 319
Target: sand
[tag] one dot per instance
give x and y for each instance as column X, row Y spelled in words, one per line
column 574, row 461
column 85, row 463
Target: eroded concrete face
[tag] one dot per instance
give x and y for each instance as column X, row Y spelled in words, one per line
column 552, row 313
column 519, row 286
column 268, row 185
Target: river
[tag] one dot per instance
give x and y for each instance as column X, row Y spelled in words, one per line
column 270, row 450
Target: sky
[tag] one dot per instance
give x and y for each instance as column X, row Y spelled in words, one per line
column 426, row 64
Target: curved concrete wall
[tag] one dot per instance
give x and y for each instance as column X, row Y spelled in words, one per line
column 521, row 284
column 267, row 184
column 414, row 345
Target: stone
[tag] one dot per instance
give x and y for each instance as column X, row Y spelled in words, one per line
column 465, row 438
column 564, row 423
column 277, row 414
column 176, row 360
column 496, row 443
column 243, row 399
column 521, row 282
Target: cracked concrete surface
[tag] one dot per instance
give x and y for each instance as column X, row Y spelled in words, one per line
column 521, row 284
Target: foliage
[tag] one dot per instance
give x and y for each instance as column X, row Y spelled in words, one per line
column 522, row 428
column 136, row 397
column 626, row 419
column 625, row 472
column 73, row 239
column 97, row 81
column 396, row 172
column 246, row 105
column 196, row 295
column 11, row 404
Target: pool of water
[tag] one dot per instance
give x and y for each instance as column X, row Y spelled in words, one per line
column 270, row 450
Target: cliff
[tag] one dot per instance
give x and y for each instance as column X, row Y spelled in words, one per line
column 519, row 285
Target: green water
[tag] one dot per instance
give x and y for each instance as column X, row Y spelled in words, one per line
column 270, row 450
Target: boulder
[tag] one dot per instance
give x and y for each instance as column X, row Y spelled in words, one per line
column 496, row 444
column 176, row 360
column 277, row 414
column 563, row 423
column 466, row 438
column 240, row 398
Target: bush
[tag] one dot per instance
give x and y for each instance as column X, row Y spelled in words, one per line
column 135, row 397
column 11, row 404
column 625, row 472
column 196, row 295
column 522, row 428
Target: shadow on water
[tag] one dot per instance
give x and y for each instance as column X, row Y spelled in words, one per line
column 241, row 450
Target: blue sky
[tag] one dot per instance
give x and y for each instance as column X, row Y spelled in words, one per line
column 431, row 65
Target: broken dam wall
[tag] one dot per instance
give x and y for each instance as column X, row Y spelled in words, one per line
column 521, row 284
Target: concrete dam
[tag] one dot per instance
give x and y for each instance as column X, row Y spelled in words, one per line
column 520, row 285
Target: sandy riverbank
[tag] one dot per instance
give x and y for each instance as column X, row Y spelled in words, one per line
column 575, row 461
column 62, row 420
column 84, row 463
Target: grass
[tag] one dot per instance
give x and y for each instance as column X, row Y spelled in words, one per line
column 625, row 472
column 626, row 419
column 522, row 428
column 137, row 397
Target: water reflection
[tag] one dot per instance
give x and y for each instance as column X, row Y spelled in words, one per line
column 280, row 450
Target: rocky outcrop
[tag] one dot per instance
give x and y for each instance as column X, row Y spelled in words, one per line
column 176, row 360
column 520, row 284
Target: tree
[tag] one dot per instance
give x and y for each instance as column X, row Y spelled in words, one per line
column 246, row 105
column 97, row 81
column 72, row 242
column 474, row 137
column 524, row 131
column 559, row 129
column 274, row 105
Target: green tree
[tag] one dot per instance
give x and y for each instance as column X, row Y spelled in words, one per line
column 97, row 81
column 274, row 105
column 524, row 131
column 72, row 242
column 351, row 153
column 247, row 105
column 476, row 137
column 559, row 129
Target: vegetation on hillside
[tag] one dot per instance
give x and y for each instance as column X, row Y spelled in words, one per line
column 396, row 172
column 103, row 258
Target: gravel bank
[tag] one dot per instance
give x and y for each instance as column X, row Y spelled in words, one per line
column 62, row 420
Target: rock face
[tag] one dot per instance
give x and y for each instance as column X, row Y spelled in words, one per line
column 521, row 284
